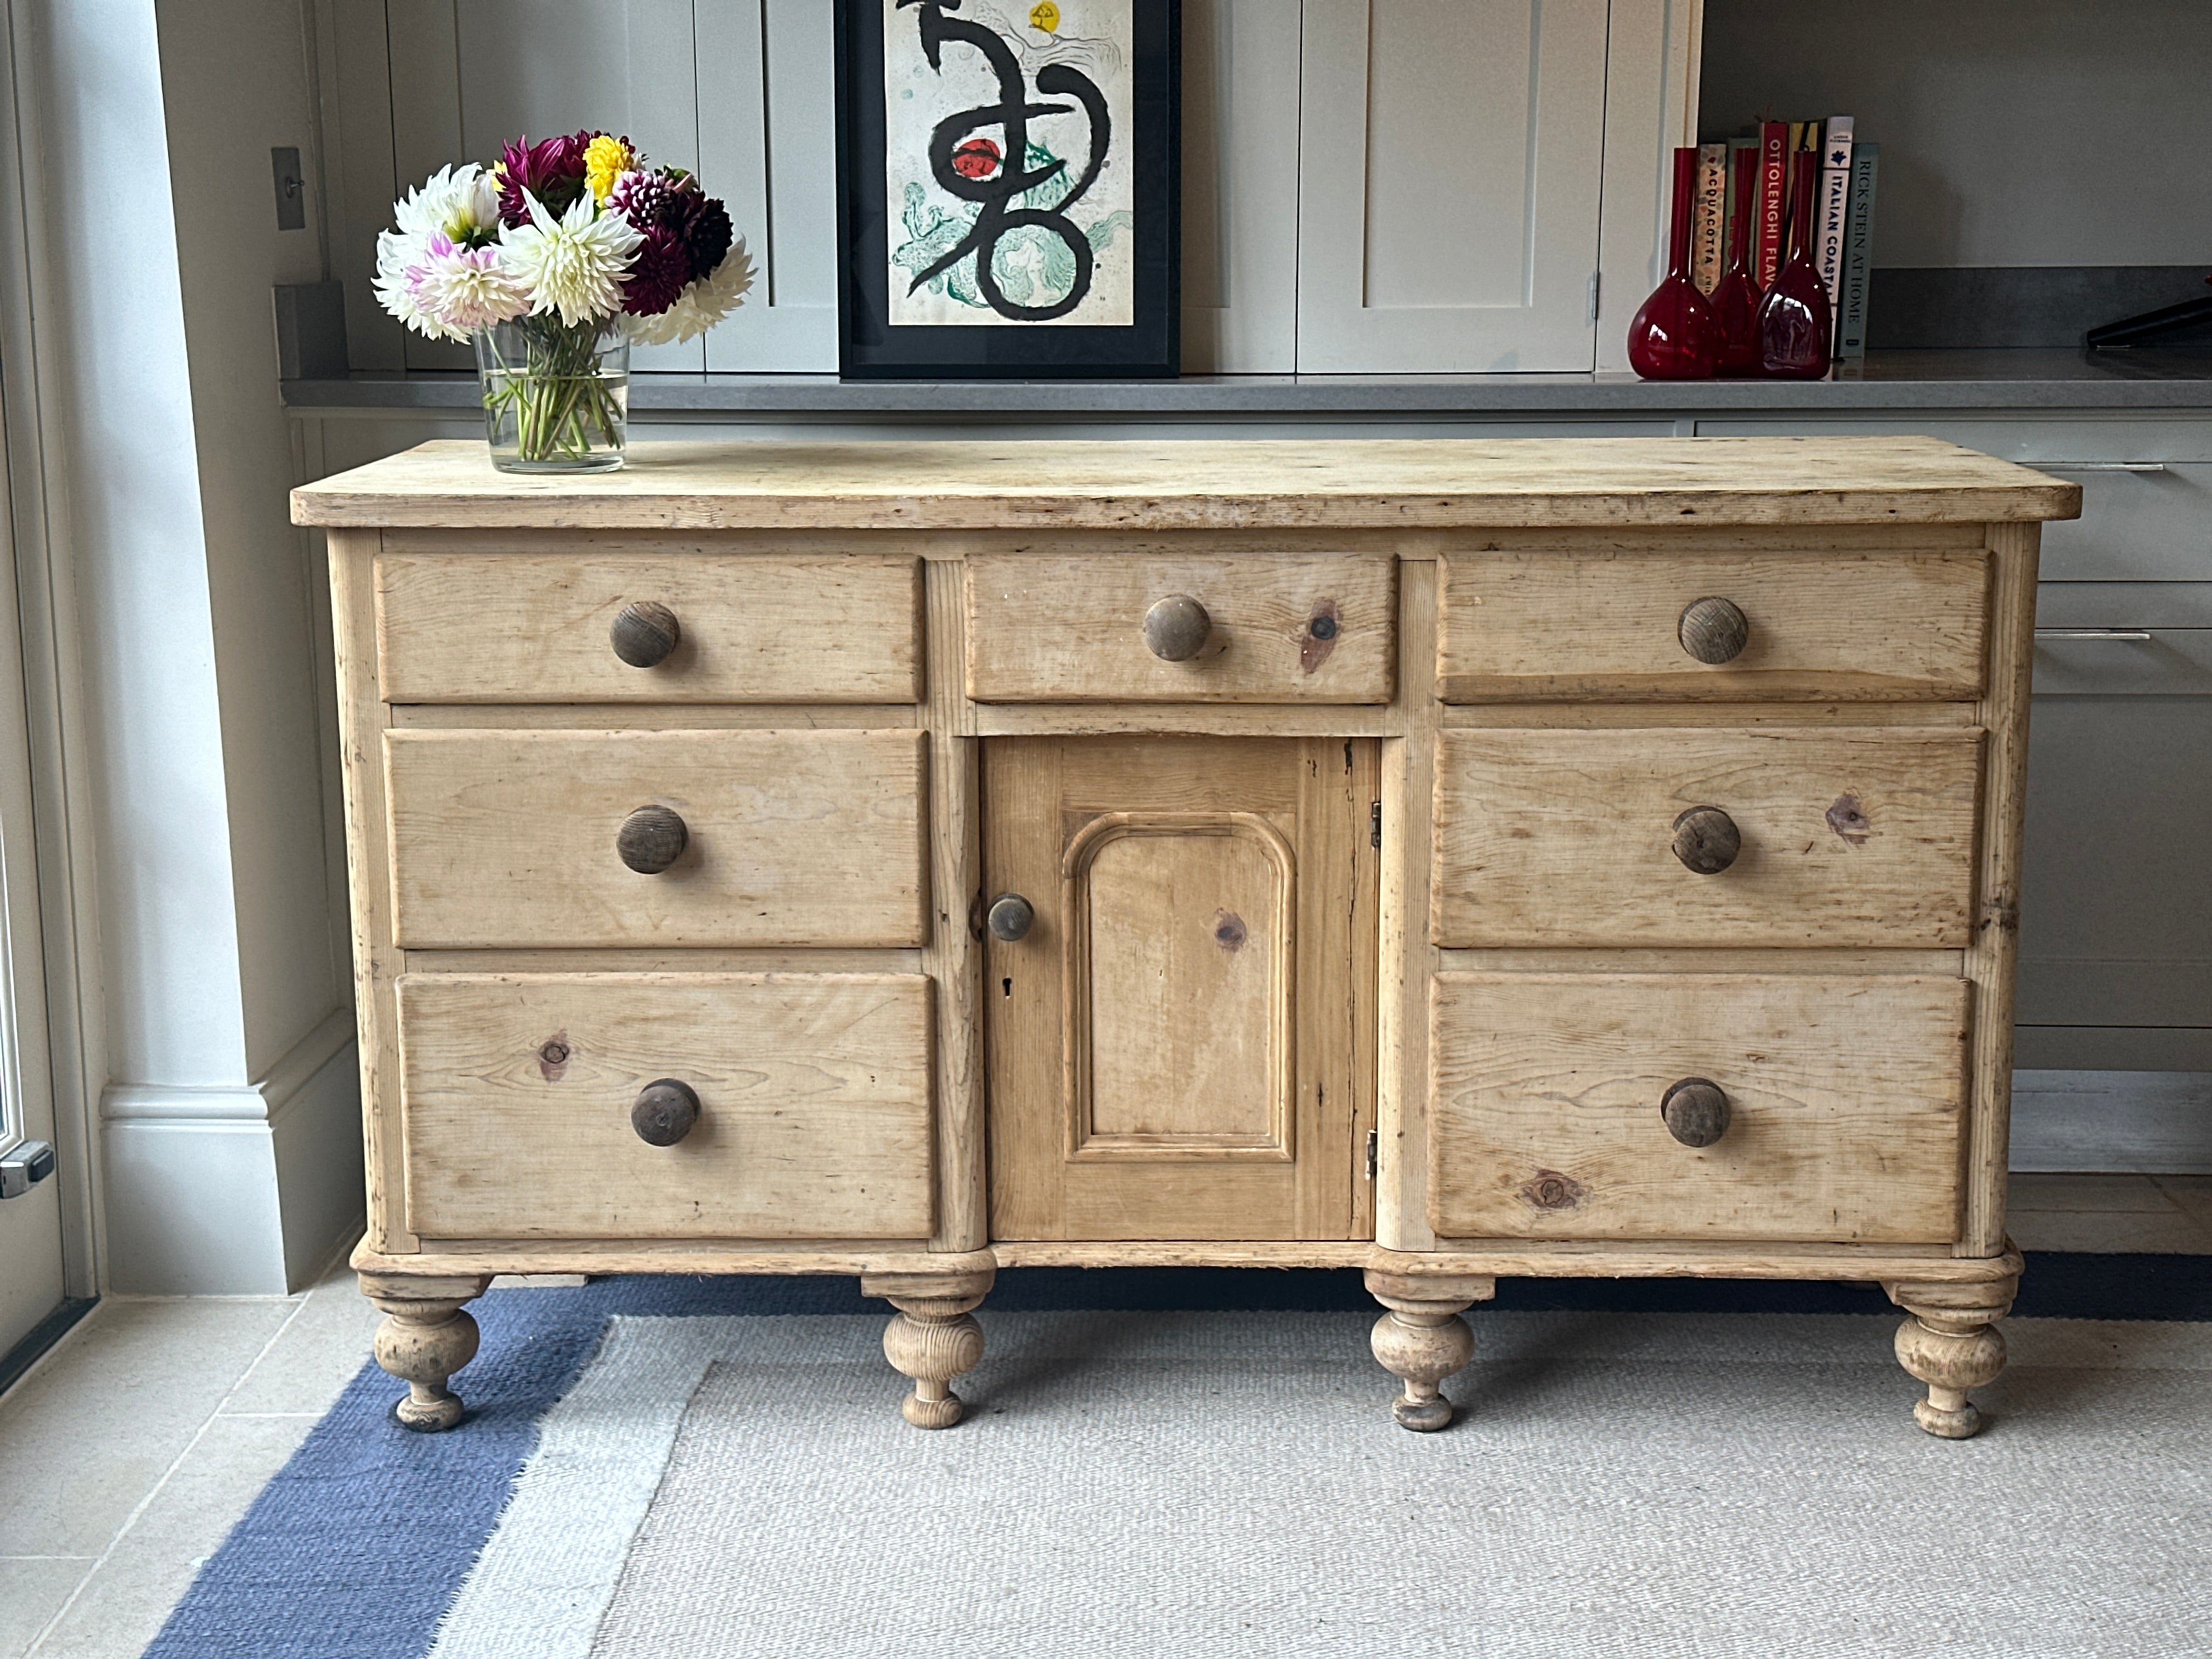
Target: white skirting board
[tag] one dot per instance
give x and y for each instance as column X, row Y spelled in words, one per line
column 241, row 1191
column 2147, row 1122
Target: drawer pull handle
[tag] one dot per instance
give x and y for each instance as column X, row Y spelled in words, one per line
column 644, row 633
column 1713, row 630
column 664, row 1112
column 651, row 839
column 1010, row 918
column 1177, row 628
column 1706, row 840
column 1695, row 1111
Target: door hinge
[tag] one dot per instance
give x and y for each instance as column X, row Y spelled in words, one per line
column 1373, row 1151
column 24, row 1167
column 1594, row 284
column 1374, row 826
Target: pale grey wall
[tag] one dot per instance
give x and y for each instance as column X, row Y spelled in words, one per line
column 2012, row 132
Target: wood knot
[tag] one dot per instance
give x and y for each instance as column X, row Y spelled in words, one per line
column 553, row 1057
column 1551, row 1190
column 1849, row 820
column 1317, row 639
column 1229, row 931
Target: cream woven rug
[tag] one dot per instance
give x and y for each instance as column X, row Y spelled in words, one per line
column 1147, row 1485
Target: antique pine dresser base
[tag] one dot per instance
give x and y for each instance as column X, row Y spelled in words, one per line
column 1456, row 859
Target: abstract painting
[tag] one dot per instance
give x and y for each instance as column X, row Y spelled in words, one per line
column 1001, row 129
column 1008, row 185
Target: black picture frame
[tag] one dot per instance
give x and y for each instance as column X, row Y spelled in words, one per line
column 870, row 347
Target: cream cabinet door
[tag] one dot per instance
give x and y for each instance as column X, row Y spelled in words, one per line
column 1450, row 155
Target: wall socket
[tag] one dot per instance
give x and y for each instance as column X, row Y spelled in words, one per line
column 291, row 189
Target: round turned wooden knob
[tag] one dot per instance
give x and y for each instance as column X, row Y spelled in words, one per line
column 1010, row 917
column 1177, row 627
column 1713, row 630
column 1706, row 840
column 645, row 633
column 664, row 1112
column 1696, row 1110
column 651, row 839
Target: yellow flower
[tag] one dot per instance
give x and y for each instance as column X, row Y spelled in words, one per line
column 606, row 158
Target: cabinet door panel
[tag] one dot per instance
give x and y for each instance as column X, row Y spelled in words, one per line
column 1450, row 155
column 1172, row 1043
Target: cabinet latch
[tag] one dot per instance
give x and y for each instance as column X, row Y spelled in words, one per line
column 1373, row 1151
column 1374, row 826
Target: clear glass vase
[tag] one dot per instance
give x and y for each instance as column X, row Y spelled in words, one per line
column 556, row 398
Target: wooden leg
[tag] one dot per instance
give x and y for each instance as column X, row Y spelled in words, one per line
column 1951, row 1342
column 425, row 1337
column 933, row 1337
column 1422, row 1340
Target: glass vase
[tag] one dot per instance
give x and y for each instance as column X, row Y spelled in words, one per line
column 1673, row 336
column 556, row 397
column 1735, row 301
column 1796, row 322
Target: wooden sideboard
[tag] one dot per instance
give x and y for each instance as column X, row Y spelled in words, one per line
column 1454, row 859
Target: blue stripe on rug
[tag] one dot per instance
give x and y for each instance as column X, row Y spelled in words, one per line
column 357, row 1546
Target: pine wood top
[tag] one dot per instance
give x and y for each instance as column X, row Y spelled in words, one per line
column 1318, row 483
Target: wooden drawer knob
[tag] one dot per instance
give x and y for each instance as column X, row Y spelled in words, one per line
column 1177, row 628
column 651, row 839
column 664, row 1112
column 1696, row 1110
column 1010, row 917
column 1706, row 840
column 645, row 633
column 1713, row 630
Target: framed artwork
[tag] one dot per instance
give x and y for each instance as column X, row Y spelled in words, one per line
column 1008, row 188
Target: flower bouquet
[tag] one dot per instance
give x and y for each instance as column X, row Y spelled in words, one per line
column 554, row 262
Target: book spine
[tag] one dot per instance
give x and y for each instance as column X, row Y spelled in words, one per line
column 1712, row 204
column 1858, row 253
column 1773, row 186
column 1835, row 194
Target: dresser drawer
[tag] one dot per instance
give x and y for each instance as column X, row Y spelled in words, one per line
column 509, row 838
column 528, row 627
column 1844, row 1101
column 1264, row 627
column 1846, row 837
column 1851, row 626
column 813, row 1105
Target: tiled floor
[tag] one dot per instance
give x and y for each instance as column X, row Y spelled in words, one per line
column 130, row 1451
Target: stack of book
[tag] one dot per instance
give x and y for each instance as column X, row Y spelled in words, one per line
column 1842, row 223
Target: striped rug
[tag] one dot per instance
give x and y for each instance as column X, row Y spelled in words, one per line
column 1198, row 1462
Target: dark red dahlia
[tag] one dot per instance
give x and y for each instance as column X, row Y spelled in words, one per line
column 552, row 170
column 658, row 273
column 646, row 200
column 706, row 233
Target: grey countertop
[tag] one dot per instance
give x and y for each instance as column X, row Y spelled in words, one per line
column 2008, row 379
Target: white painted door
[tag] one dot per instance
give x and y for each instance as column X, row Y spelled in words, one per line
column 1450, row 159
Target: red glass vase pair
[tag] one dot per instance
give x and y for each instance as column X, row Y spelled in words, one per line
column 1679, row 334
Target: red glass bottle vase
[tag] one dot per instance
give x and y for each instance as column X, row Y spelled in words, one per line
column 1796, row 322
column 1735, row 301
column 1673, row 335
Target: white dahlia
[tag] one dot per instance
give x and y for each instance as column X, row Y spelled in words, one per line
column 574, row 264
column 701, row 305
column 465, row 289
column 461, row 202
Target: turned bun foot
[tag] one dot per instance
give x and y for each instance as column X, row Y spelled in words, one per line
column 427, row 1335
column 933, row 1337
column 1950, row 1343
column 1421, row 1340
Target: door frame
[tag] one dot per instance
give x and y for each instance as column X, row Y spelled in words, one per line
column 65, row 1051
